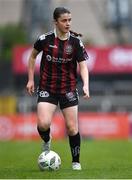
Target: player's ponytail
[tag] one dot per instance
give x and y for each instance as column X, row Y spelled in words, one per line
column 76, row 34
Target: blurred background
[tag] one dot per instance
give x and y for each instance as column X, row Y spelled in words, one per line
column 106, row 26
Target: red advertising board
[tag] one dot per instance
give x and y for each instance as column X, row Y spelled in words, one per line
column 115, row 59
column 20, row 59
column 104, row 125
column 91, row 125
column 22, row 127
column 108, row 60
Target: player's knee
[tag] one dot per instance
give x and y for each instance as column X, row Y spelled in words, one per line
column 72, row 131
column 42, row 124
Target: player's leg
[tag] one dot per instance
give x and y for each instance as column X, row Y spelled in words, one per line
column 69, row 106
column 71, row 118
column 45, row 113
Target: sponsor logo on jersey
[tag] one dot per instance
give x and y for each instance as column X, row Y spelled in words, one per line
column 57, row 60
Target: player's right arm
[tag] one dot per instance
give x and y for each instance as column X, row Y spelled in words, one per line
column 31, row 65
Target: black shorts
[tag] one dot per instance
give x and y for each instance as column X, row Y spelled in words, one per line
column 64, row 100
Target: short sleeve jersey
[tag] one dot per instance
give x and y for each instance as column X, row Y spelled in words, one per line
column 58, row 67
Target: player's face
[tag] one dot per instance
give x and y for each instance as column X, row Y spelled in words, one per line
column 63, row 23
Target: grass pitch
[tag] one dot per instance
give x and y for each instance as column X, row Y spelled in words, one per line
column 99, row 159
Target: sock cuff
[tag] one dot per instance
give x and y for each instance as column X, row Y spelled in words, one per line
column 45, row 135
column 74, row 136
column 41, row 130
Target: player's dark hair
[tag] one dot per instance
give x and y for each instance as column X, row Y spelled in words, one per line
column 58, row 12
column 75, row 33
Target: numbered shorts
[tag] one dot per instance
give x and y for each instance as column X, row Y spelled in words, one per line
column 64, row 100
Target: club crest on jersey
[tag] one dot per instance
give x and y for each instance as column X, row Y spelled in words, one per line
column 68, row 49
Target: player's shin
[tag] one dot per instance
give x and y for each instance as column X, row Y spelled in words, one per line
column 75, row 142
column 45, row 135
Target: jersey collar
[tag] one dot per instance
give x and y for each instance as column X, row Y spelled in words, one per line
column 57, row 36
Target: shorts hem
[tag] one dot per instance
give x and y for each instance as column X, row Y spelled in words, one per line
column 69, row 105
column 51, row 102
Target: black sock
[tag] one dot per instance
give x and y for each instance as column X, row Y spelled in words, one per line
column 45, row 135
column 75, row 142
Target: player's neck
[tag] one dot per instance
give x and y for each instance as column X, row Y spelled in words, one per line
column 61, row 35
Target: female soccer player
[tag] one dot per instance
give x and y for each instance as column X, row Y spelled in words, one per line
column 62, row 50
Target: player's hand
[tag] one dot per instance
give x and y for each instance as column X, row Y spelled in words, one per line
column 86, row 92
column 30, row 87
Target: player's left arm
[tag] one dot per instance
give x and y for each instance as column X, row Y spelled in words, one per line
column 85, row 78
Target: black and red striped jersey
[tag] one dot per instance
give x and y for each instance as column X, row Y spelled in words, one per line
column 58, row 68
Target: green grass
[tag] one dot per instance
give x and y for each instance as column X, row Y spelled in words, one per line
column 99, row 159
